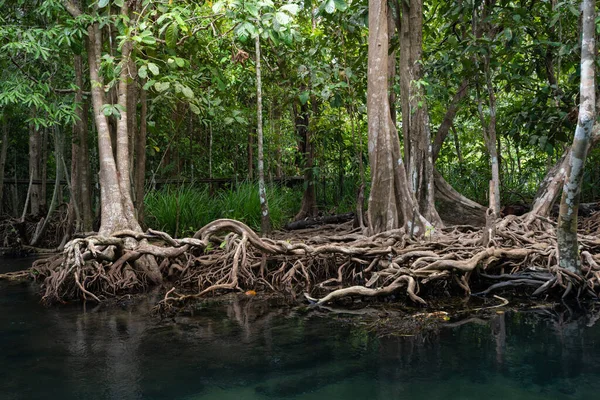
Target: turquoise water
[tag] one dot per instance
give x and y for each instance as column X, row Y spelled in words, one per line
column 247, row 350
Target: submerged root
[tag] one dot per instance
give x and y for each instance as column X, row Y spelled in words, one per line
column 226, row 255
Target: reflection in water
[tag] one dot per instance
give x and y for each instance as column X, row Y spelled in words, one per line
column 249, row 349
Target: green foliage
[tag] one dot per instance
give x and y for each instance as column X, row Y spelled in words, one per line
column 242, row 203
column 194, row 207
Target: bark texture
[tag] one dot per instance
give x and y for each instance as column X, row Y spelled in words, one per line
column 265, row 220
column 415, row 117
column 35, row 154
column 568, row 249
column 391, row 203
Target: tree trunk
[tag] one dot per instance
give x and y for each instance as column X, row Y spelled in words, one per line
column 265, row 221
column 250, row 155
column 391, row 26
column 308, row 208
column 78, row 158
column 454, row 208
column 35, row 143
column 59, row 145
column 44, row 171
column 568, row 249
column 391, row 204
column 489, row 134
column 279, row 138
column 140, row 156
column 446, row 124
column 116, row 214
column 85, row 176
column 415, row 126
column 3, row 151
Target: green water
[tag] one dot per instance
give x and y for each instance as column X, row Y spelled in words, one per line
column 247, row 350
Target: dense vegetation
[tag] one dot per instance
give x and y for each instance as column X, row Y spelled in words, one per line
column 170, row 114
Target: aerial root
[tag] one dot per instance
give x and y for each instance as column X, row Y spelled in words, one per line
column 226, row 255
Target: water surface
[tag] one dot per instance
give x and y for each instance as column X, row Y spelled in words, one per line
column 247, row 350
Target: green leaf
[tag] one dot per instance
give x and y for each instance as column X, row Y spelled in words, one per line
column 218, row 6
column 252, row 9
column 291, row 8
column 187, row 92
column 143, row 72
column 341, row 5
column 282, row 18
column 118, row 3
column 149, row 84
column 102, row 4
column 153, row 68
column 171, row 35
column 180, row 62
column 161, row 86
column 251, row 29
column 330, row 6
column 148, row 40
column 304, row 97
column 194, row 108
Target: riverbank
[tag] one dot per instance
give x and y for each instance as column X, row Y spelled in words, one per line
column 327, row 265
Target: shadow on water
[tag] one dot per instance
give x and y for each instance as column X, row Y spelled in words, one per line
column 250, row 349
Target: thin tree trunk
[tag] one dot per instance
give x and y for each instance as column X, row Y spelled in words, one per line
column 568, row 249
column 15, row 191
column 58, row 156
column 490, row 142
column 250, row 155
column 83, row 163
column 43, row 165
column 308, row 208
column 458, row 151
column 493, row 148
column 75, row 222
column 553, row 182
column 140, row 155
column 28, row 196
column 278, row 135
column 444, row 128
column 3, row 152
column 265, row 221
column 34, row 195
column 123, row 159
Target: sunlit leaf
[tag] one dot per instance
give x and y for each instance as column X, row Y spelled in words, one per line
column 153, row 68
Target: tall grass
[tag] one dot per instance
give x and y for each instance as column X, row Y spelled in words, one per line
column 178, row 211
column 182, row 211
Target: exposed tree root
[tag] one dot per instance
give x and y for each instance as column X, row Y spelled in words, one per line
column 226, row 255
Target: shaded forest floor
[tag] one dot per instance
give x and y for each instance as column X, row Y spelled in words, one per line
column 327, row 265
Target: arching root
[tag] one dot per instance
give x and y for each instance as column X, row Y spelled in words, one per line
column 226, row 255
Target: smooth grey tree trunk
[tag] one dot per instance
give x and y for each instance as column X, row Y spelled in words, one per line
column 566, row 234
column 265, row 220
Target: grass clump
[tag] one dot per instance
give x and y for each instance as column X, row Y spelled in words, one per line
column 182, row 211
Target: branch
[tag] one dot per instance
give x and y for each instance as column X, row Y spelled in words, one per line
column 71, row 8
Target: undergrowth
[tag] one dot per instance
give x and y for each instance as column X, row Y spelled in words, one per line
column 181, row 211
